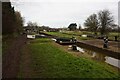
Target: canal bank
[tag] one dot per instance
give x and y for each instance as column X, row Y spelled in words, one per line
column 95, row 49
column 51, row 60
column 98, row 49
column 97, row 45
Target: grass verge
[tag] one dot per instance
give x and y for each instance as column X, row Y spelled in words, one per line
column 49, row 61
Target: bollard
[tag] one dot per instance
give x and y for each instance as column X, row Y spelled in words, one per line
column 115, row 38
column 74, row 47
column 105, row 45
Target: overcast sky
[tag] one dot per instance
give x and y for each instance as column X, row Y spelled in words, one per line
column 60, row 13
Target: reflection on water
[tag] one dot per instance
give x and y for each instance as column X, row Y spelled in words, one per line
column 42, row 35
column 80, row 49
column 100, row 57
column 95, row 55
column 112, row 61
column 54, row 39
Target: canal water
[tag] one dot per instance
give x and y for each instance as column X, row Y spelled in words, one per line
column 99, row 56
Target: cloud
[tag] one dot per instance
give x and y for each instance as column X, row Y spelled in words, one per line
column 59, row 14
column 63, row 0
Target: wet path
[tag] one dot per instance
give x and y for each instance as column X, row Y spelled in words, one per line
column 26, row 70
column 113, row 46
column 11, row 58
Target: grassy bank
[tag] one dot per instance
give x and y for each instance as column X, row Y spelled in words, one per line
column 59, row 34
column 49, row 61
column 69, row 34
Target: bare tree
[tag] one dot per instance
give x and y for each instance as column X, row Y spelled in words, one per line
column 106, row 21
column 33, row 26
column 92, row 23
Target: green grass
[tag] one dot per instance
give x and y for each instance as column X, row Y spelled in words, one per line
column 59, row 34
column 49, row 61
column 79, row 32
column 69, row 34
column 112, row 35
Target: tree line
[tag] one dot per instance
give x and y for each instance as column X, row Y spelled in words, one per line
column 12, row 21
column 102, row 22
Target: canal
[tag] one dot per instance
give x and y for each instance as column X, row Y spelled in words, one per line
column 100, row 57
